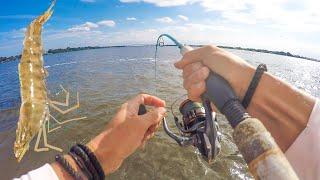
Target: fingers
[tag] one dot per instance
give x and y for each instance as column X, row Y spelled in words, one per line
column 149, row 134
column 196, row 55
column 195, row 91
column 190, row 68
column 195, row 77
column 154, row 116
column 194, row 83
column 146, row 99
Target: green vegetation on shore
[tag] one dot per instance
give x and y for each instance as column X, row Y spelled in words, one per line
column 10, row 58
column 69, row 49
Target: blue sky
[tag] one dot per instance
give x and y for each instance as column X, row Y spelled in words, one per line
column 288, row 25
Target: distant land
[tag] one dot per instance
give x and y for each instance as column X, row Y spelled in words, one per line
column 70, row 49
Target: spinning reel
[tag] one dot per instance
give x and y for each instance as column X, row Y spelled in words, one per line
column 198, row 128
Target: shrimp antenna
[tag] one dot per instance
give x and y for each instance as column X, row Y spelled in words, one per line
column 53, row 2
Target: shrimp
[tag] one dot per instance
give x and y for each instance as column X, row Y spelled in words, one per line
column 34, row 109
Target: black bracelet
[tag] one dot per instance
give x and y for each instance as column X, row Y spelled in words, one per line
column 253, row 85
column 64, row 163
column 93, row 160
column 85, row 158
column 81, row 164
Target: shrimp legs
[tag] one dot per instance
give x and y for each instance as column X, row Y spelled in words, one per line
column 46, row 130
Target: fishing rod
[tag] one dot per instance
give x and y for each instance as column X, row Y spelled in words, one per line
column 262, row 154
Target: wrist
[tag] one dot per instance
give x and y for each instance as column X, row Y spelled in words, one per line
column 240, row 85
column 279, row 105
column 107, row 155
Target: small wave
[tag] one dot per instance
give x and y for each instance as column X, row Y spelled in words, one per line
column 135, row 59
column 61, row 64
column 147, row 58
column 6, row 104
column 129, row 59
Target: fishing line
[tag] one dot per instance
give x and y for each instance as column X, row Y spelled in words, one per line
column 160, row 43
column 175, row 102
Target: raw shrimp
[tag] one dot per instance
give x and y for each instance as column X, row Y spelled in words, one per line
column 34, row 110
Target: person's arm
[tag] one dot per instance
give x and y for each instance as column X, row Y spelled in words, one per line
column 123, row 135
column 282, row 108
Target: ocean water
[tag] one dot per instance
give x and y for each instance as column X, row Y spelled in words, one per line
column 105, row 78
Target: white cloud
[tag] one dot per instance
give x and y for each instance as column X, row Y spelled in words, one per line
column 184, row 18
column 287, row 15
column 84, row 27
column 131, row 19
column 189, row 33
column 165, row 20
column 161, row 3
column 209, row 27
column 109, row 23
column 286, row 25
column 217, row 33
column 89, row 26
column 88, row 1
column 23, row 29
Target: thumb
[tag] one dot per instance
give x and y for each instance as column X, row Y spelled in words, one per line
column 179, row 64
column 154, row 116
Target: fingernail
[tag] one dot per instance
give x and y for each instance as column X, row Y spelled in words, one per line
column 177, row 65
column 161, row 110
column 198, row 85
column 164, row 103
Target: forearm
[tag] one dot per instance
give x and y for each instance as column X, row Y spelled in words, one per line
column 282, row 108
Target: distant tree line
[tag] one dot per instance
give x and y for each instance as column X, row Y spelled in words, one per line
column 69, row 49
column 10, row 58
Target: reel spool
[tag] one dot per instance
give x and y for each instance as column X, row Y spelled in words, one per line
column 195, row 130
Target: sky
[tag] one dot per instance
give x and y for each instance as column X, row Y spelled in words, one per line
column 286, row 25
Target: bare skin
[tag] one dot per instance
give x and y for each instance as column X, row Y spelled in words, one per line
column 283, row 109
column 123, row 135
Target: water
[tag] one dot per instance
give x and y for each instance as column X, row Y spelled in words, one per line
column 105, row 78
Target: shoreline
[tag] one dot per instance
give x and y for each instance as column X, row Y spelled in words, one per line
column 69, row 49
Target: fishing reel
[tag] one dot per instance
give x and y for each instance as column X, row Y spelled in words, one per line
column 198, row 128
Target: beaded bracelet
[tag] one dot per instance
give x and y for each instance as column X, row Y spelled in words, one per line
column 64, row 163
